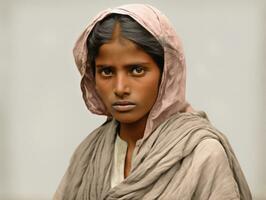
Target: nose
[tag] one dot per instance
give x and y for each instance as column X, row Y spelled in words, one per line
column 121, row 86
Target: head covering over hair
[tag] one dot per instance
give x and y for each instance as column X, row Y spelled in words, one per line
column 171, row 96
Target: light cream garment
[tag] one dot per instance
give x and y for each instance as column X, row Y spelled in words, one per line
column 181, row 156
column 120, row 152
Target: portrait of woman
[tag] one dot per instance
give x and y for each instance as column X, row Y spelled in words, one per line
column 154, row 144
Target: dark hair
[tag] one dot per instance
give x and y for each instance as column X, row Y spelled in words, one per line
column 131, row 30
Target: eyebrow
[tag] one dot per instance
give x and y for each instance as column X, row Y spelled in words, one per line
column 127, row 65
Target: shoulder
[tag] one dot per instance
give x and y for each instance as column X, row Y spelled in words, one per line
column 210, row 158
column 215, row 172
column 210, row 149
column 215, row 178
column 207, row 148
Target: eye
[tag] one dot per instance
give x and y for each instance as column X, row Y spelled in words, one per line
column 137, row 70
column 106, row 71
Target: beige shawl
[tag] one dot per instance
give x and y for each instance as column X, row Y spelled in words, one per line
column 181, row 156
column 167, row 165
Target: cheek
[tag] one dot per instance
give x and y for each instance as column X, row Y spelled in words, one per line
column 103, row 90
column 99, row 84
column 149, row 89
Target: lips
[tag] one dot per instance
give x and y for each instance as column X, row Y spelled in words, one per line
column 123, row 106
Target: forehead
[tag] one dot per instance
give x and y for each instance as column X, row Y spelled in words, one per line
column 118, row 45
column 121, row 52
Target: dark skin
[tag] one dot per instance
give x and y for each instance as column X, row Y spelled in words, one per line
column 127, row 80
column 131, row 133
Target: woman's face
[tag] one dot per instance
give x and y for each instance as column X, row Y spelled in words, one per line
column 127, row 80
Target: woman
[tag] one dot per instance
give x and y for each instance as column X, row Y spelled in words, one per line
column 153, row 144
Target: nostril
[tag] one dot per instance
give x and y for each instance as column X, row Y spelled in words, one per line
column 121, row 90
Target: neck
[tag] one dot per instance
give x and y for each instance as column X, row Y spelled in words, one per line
column 132, row 132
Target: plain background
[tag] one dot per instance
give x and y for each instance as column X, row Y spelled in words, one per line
column 43, row 117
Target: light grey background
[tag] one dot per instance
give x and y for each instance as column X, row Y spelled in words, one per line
column 42, row 114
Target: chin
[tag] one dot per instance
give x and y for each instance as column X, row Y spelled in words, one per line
column 126, row 118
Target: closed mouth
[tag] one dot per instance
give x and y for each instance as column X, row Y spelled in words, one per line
column 123, row 106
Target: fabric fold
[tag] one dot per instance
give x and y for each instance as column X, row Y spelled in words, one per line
column 162, row 167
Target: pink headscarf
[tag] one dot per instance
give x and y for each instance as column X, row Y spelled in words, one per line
column 171, row 96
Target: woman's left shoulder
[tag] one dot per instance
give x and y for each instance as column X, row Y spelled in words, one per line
column 212, row 149
column 215, row 175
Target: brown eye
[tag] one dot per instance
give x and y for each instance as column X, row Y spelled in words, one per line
column 106, row 72
column 137, row 70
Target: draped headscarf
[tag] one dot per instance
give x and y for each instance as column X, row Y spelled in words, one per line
column 171, row 95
